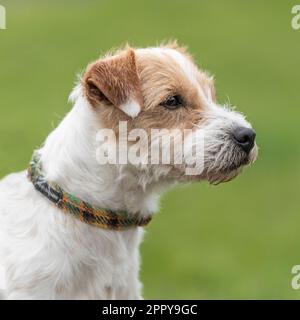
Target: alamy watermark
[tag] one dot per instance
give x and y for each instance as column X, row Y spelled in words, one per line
column 295, row 283
column 184, row 148
column 2, row 17
column 296, row 18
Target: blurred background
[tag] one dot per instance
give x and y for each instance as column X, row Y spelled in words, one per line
column 238, row 240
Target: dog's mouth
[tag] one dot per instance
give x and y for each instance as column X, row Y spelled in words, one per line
column 225, row 166
column 220, row 166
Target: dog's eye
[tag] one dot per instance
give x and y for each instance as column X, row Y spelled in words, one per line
column 173, row 102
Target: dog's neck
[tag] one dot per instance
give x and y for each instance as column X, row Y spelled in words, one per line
column 69, row 159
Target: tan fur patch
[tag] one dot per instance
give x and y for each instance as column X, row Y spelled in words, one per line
column 150, row 78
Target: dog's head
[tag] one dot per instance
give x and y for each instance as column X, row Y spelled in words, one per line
column 162, row 88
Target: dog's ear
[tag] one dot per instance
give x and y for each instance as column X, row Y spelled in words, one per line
column 114, row 81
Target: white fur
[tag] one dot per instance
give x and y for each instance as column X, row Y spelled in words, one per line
column 131, row 108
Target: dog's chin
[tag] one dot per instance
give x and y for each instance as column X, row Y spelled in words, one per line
column 224, row 167
column 231, row 167
column 216, row 178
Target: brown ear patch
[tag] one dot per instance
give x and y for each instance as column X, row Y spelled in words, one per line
column 113, row 80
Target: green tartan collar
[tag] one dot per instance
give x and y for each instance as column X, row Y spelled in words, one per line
column 98, row 217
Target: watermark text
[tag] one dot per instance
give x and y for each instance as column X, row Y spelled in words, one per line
column 296, row 17
column 184, row 148
column 2, row 17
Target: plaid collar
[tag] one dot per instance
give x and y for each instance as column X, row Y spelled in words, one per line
column 98, row 217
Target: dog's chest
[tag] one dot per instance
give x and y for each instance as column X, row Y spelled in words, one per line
column 75, row 260
column 110, row 271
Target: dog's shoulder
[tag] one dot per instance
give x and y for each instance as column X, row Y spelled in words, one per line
column 17, row 198
column 12, row 179
column 12, row 186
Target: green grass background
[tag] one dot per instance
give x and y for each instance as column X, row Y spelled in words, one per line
column 238, row 240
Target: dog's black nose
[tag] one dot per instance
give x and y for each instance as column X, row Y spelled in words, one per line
column 245, row 138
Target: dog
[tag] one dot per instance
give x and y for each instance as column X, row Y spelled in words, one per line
column 70, row 228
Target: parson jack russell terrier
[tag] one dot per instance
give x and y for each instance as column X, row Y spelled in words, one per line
column 71, row 225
